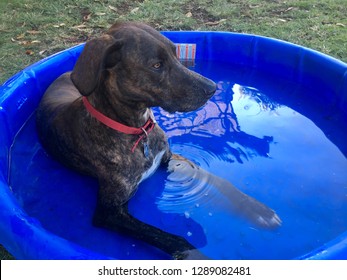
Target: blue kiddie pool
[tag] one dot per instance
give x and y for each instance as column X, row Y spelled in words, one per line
column 276, row 128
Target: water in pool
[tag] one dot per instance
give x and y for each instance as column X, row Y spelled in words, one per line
column 268, row 136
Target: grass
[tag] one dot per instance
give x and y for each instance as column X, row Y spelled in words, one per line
column 33, row 29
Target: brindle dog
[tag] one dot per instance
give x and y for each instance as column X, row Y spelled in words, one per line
column 119, row 76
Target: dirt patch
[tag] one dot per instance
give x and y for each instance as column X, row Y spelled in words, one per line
column 199, row 13
column 124, row 7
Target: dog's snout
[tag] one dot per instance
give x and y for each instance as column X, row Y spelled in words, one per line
column 210, row 88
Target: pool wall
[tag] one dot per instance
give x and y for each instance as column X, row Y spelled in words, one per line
column 19, row 96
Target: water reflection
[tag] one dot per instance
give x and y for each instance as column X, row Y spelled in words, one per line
column 218, row 119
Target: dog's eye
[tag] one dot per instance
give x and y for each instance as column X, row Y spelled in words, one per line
column 157, row 65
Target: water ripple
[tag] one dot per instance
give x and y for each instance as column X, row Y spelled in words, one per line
column 186, row 188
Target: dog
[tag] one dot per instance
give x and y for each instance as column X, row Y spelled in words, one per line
column 97, row 120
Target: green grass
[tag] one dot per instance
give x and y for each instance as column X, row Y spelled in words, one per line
column 33, row 29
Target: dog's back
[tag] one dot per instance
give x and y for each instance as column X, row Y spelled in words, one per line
column 55, row 110
column 60, row 93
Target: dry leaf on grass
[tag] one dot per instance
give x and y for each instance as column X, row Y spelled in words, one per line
column 29, row 52
column 87, row 17
column 33, row 32
column 113, row 8
column 135, row 10
column 213, row 23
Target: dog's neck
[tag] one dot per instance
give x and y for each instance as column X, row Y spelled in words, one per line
column 132, row 116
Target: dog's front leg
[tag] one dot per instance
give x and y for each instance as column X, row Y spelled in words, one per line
column 117, row 218
column 247, row 206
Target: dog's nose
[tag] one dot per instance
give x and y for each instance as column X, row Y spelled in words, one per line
column 210, row 87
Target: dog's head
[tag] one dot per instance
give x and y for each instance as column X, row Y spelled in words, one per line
column 134, row 63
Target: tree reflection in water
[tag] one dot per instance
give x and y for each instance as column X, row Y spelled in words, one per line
column 218, row 119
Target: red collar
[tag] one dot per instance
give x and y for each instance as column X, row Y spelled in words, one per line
column 142, row 131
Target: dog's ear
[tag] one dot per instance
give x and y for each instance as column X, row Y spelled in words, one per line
column 92, row 61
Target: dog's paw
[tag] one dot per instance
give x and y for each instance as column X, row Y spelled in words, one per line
column 268, row 219
column 260, row 214
column 273, row 221
column 193, row 254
